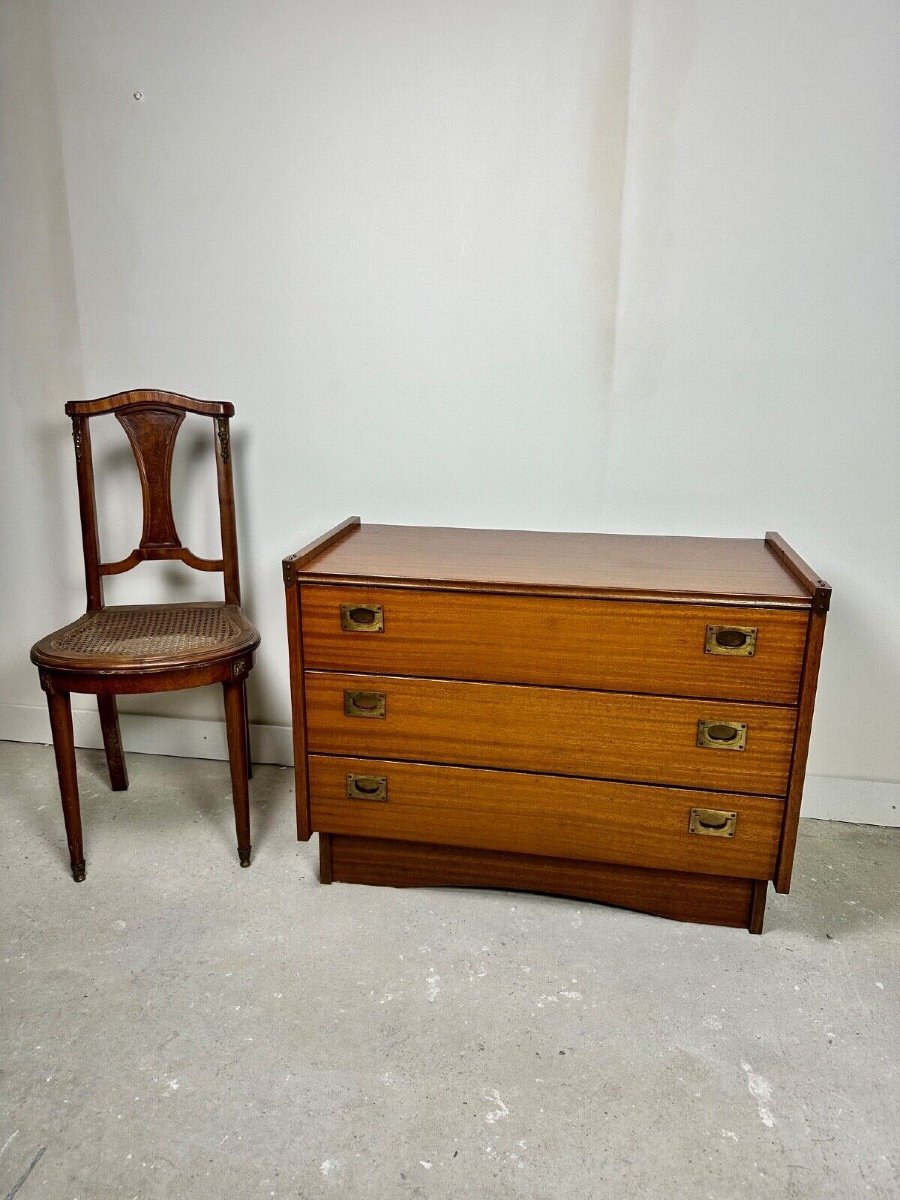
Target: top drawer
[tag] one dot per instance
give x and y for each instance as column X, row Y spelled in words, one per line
column 616, row 645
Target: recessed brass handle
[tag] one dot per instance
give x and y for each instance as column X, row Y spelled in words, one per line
column 365, row 704
column 362, row 618
column 722, row 735
column 738, row 640
column 367, row 787
column 712, row 822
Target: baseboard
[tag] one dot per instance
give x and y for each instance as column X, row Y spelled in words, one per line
column 862, row 801
column 181, row 738
column 825, row 797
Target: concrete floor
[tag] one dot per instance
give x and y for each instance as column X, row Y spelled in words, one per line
column 177, row 1027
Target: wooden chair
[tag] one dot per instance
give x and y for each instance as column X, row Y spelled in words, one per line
column 149, row 648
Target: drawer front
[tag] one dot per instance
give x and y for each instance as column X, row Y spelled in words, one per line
column 619, row 645
column 546, row 815
column 644, row 739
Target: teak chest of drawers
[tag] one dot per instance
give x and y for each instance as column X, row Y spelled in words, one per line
column 617, row 718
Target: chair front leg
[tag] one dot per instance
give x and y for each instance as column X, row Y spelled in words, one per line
column 247, row 727
column 112, row 742
column 236, row 726
column 60, row 706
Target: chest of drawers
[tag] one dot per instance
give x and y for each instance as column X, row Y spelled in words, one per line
column 611, row 717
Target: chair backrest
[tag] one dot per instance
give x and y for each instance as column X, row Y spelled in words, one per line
column 151, row 420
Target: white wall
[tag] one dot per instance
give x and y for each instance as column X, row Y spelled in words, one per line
column 590, row 265
column 40, row 357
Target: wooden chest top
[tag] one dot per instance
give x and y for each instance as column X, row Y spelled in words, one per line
column 753, row 570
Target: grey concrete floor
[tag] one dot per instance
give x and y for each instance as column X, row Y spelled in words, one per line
column 177, row 1027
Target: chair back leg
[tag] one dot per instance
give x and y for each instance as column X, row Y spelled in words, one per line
column 112, row 743
column 236, row 727
column 60, row 706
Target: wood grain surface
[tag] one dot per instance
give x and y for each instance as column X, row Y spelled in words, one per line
column 546, row 814
column 730, row 568
column 300, row 558
column 298, row 712
column 709, row 899
column 818, row 588
column 148, row 397
column 797, row 775
column 618, row 645
column 603, row 735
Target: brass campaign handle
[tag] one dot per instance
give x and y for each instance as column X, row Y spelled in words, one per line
column 365, row 704
column 712, row 822
column 722, row 735
column 362, row 618
column 738, row 640
column 367, row 787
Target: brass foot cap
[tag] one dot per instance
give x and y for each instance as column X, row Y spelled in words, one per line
column 244, row 856
column 78, row 872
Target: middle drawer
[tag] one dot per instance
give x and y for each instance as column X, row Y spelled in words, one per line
column 646, row 739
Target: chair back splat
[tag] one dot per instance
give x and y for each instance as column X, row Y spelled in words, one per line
column 152, row 419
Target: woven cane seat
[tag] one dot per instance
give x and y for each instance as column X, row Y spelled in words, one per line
column 156, row 634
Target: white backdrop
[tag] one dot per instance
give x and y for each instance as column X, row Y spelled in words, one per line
column 579, row 265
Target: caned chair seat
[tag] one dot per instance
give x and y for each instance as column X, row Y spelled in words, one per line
column 134, row 637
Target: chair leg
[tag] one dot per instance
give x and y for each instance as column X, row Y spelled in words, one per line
column 247, row 727
column 64, row 748
column 112, row 742
column 236, row 726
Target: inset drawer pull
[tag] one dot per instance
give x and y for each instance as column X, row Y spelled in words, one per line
column 731, row 639
column 362, row 618
column 722, row 735
column 712, row 822
column 367, row 787
column 365, row 704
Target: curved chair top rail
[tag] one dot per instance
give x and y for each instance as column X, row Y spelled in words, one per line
column 148, row 398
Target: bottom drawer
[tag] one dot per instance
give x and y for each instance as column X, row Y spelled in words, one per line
column 546, row 815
